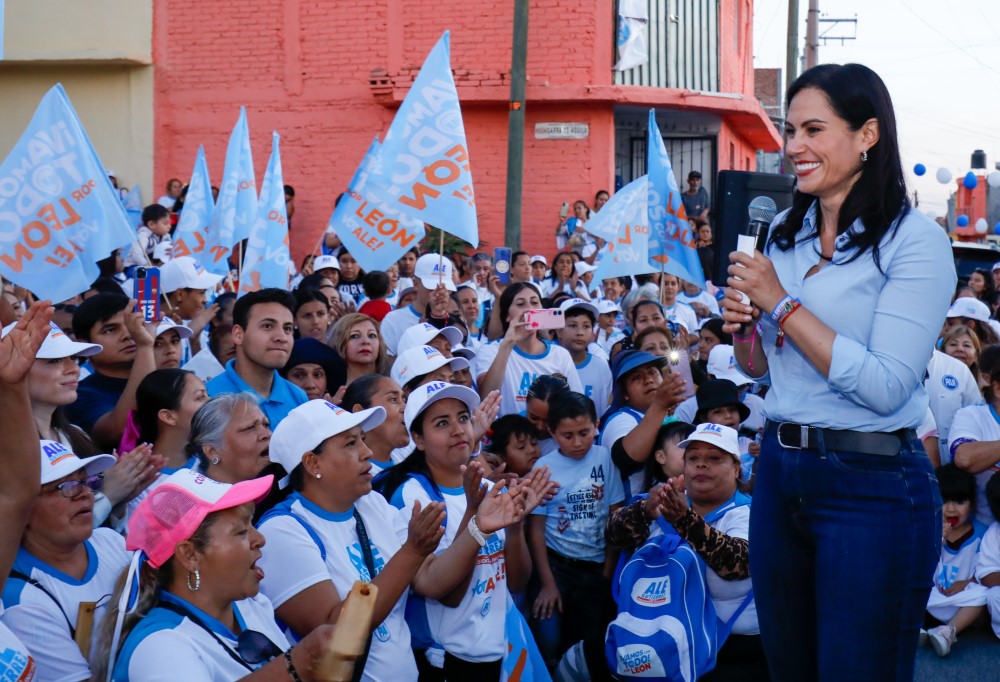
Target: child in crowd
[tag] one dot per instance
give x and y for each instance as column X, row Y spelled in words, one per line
column 536, row 407
column 155, row 228
column 595, row 374
column 566, row 535
column 667, row 461
column 376, row 286
column 957, row 600
column 608, row 331
column 988, row 565
column 513, row 444
column 719, row 403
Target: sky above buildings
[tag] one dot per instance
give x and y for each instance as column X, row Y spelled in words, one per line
column 940, row 60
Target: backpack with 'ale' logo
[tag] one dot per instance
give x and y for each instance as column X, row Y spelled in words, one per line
column 667, row 628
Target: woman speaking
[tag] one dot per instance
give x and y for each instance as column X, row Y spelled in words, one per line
column 844, row 307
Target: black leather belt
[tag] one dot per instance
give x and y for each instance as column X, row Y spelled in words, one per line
column 802, row 437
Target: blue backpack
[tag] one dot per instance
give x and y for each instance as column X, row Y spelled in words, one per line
column 667, row 628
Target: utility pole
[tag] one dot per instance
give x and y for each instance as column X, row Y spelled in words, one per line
column 515, row 131
column 812, row 34
column 792, row 53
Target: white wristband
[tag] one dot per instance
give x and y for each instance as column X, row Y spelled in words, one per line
column 476, row 534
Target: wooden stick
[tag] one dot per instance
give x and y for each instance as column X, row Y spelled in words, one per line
column 319, row 244
column 350, row 635
column 85, row 626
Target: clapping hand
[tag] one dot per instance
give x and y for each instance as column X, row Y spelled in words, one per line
column 500, row 507
column 483, row 416
column 132, row 474
column 673, row 501
column 536, row 488
column 425, row 530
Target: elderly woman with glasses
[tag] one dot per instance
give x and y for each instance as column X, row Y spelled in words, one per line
column 198, row 614
column 64, row 569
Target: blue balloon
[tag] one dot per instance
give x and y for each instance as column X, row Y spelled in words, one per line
column 970, row 180
column 919, row 169
column 996, row 229
column 962, row 220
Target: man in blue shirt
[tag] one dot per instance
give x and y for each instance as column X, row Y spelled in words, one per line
column 262, row 334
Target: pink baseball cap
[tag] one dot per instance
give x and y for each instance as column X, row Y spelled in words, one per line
column 172, row 512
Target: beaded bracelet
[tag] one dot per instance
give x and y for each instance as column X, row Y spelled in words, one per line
column 291, row 668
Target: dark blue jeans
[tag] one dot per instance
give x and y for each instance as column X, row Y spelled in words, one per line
column 843, row 551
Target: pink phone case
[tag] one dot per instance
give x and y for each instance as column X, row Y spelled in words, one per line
column 550, row 318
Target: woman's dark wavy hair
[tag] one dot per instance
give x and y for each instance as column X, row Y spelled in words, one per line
column 507, row 300
column 878, row 198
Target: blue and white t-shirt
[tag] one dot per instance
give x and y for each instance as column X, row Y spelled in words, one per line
column 167, row 646
column 292, row 562
column 595, row 375
column 976, row 424
column 473, row 630
column 16, row 664
column 575, row 518
column 619, row 425
column 40, row 621
column 954, row 565
column 522, row 369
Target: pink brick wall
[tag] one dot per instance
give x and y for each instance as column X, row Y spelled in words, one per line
column 302, row 67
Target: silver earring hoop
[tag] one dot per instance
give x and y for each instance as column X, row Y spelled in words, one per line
column 215, row 460
column 197, row 581
column 864, row 156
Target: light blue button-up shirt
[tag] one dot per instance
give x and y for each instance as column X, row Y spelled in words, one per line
column 285, row 396
column 886, row 325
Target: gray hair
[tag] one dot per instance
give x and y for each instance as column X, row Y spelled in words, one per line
column 647, row 292
column 209, row 423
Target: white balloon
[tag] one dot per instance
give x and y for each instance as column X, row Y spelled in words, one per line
column 982, row 226
column 993, row 179
column 943, row 176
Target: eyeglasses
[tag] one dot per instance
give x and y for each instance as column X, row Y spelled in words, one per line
column 70, row 489
column 255, row 647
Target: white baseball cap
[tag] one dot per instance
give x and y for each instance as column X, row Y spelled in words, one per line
column 722, row 365
column 111, row 174
column 59, row 461
column 606, row 307
column 166, row 324
column 423, row 396
column 57, row 345
column 326, row 261
column 969, row 307
column 723, row 437
column 460, row 351
column 539, row 259
column 422, row 333
column 163, row 251
column 432, row 269
column 186, row 273
column 996, row 266
column 421, row 360
column 578, row 303
column 311, row 423
column 582, row 267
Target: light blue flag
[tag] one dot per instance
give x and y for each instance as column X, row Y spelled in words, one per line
column 192, row 228
column 59, row 214
column 424, row 163
column 522, row 661
column 236, row 210
column 673, row 247
column 623, row 224
column 133, row 206
column 375, row 232
column 267, row 260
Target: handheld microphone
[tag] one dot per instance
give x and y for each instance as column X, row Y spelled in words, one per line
column 762, row 211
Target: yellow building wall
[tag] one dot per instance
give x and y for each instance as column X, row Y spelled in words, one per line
column 101, row 51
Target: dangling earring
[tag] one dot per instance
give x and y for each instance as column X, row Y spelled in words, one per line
column 215, row 460
column 197, row 580
column 864, row 156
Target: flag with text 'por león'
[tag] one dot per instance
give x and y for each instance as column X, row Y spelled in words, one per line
column 673, row 247
column 196, row 215
column 267, row 260
column 369, row 225
column 59, row 214
column 424, row 162
column 623, row 224
column 236, row 210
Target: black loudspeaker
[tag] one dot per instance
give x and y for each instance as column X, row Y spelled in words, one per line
column 733, row 193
